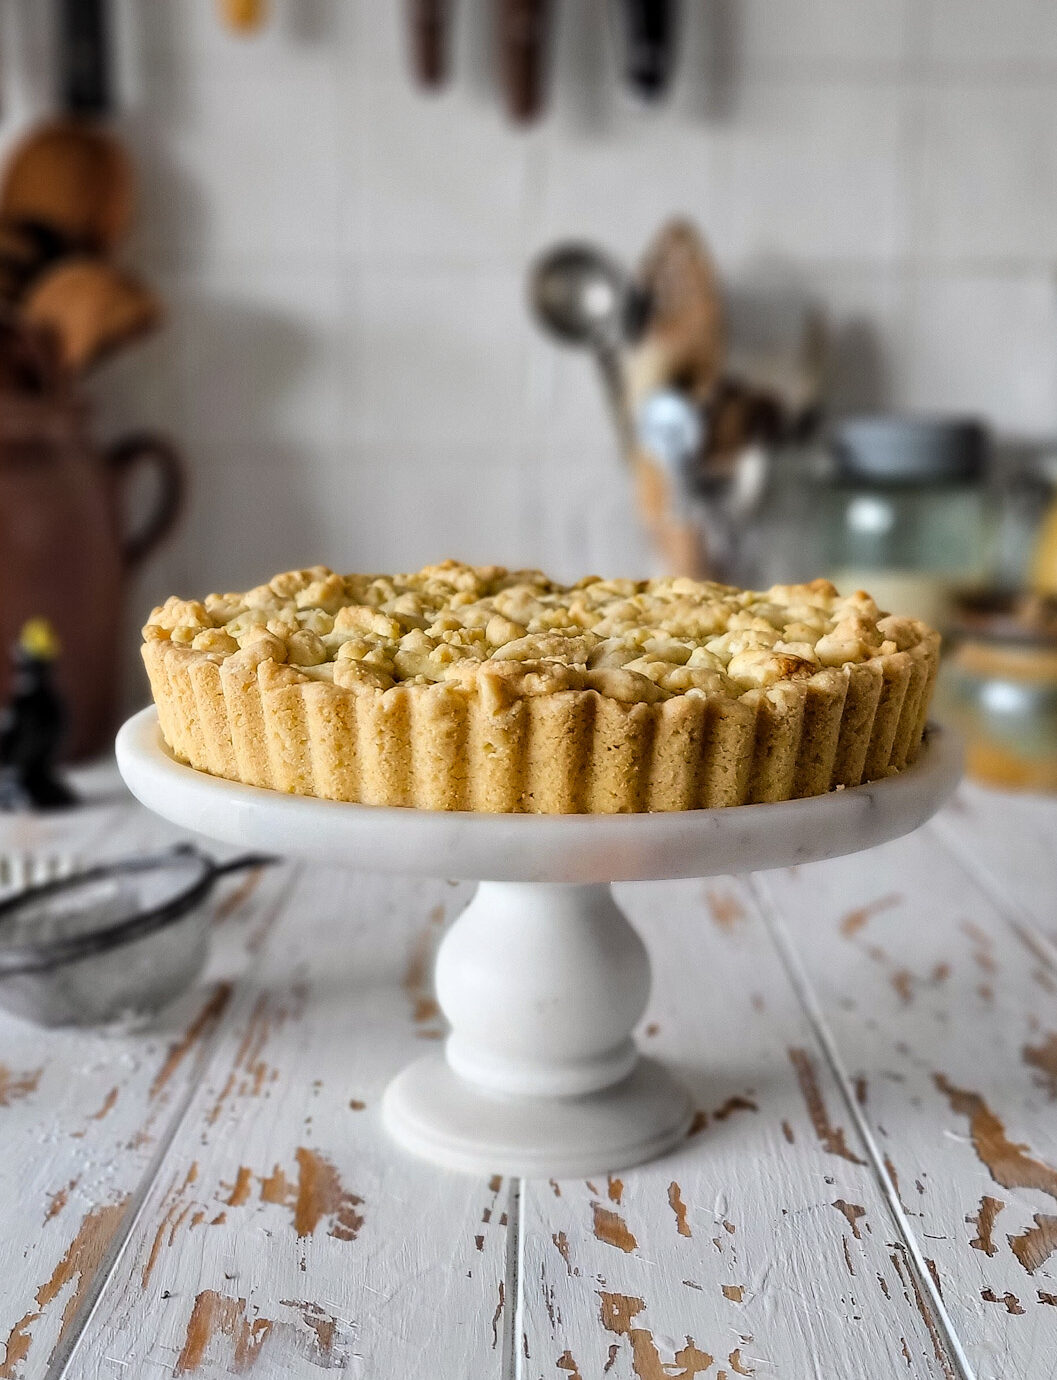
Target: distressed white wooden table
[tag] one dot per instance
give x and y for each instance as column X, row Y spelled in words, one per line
column 870, row 1188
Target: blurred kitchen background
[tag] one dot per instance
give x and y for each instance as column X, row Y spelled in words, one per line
column 349, row 364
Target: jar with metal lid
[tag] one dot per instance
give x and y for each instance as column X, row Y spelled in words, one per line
column 904, row 513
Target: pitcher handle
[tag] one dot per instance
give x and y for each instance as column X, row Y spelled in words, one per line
column 127, row 455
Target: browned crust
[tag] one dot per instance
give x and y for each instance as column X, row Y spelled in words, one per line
column 453, row 747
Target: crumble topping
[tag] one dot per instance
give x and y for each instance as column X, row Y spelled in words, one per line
column 520, row 633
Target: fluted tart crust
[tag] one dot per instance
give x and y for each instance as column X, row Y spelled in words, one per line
column 479, row 688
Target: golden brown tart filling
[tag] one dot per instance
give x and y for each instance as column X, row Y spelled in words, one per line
column 479, row 688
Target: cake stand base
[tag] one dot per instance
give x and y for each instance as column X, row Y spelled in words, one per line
column 542, row 978
column 432, row 1111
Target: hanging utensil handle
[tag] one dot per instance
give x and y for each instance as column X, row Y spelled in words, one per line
column 649, row 45
column 428, row 23
column 146, row 449
column 523, row 29
column 84, row 55
column 244, row 16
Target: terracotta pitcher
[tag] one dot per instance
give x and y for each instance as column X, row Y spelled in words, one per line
column 64, row 554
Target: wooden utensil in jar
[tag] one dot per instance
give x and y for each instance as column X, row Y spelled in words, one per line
column 523, row 32
column 683, row 343
column 91, row 308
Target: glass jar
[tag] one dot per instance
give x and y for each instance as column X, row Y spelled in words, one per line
column 905, row 513
column 999, row 686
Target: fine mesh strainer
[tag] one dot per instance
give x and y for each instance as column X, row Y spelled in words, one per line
column 112, row 944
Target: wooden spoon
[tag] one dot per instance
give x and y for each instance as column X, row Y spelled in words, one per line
column 75, row 180
column 91, row 307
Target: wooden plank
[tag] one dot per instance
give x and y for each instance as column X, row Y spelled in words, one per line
column 1008, row 841
column 285, row 1233
column 944, row 1020
column 82, row 1112
column 765, row 1246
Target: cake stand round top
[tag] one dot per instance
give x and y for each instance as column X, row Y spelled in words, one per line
column 537, row 848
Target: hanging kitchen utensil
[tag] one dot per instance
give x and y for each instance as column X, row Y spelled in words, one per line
column 91, row 307
column 523, row 31
column 683, row 343
column 649, row 45
column 73, row 182
column 582, row 297
column 429, row 24
column 70, row 183
column 84, row 56
column 244, row 16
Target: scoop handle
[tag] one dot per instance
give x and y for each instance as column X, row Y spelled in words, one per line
column 243, row 863
column 84, row 55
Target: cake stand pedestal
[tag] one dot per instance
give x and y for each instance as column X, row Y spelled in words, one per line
column 542, row 978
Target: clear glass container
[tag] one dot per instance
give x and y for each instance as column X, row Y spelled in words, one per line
column 896, row 507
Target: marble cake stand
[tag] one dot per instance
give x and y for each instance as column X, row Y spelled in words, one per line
column 541, row 978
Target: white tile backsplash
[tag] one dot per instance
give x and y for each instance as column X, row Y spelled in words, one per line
column 988, row 173
column 394, row 506
column 991, row 34
column 348, row 361
column 983, row 345
column 866, row 35
column 239, row 167
column 435, row 356
column 458, row 191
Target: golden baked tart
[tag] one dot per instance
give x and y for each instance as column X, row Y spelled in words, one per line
column 479, row 688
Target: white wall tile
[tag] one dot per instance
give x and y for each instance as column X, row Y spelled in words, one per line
column 296, row 35
column 794, row 35
column 987, row 185
column 456, row 192
column 982, row 345
column 435, row 356
column 581, row 514
column 238, row 169
column 253, row 511
column 814, row 173
column 618, row 187
column 990, row 34
column 386, row 507
column 259, row 354
column 863, row 314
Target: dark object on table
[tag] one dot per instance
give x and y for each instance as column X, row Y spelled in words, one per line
column 32, row 725
column 117, row 942
column 649, row 45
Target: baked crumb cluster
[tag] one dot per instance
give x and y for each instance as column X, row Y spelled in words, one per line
column 636, row 641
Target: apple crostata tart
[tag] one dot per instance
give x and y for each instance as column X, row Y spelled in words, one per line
column 479, row 688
